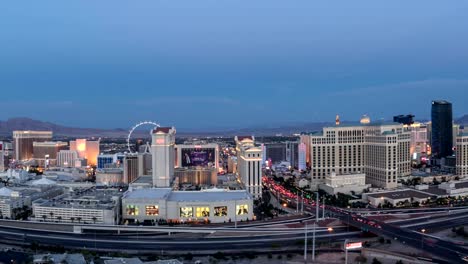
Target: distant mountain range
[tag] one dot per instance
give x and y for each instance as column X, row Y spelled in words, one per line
column 6, row 128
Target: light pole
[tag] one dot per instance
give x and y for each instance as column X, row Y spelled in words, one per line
column 423, row 231
column 346, row 251
column 313, row 243
column 330, row 230
column 305, row 243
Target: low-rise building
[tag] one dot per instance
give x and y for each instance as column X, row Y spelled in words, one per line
column 346, row 183
column 87, row 206
column 397, row 197
column 14, row 199
column 110, row 176
column 214, row 205
column 59, row 259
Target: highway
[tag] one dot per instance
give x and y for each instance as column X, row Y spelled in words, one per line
column 442, row 249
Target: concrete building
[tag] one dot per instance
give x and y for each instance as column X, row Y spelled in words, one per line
column 67, row 158
column 380, row 150
column 197, row 176
column 397, row 197
column 16, row 198
column 110, row 177
column 197, row 155
column 65, row 258
column 86, row 149
column 86, row 206
column 6, row 152
column 130, row 168
column 145, row 166
column 2, row 158
column 302, row 163
column 347, row 183
column 292, row 153
column 23, row 142
column 462, row 154
column 163, row 141
column 419, row 147
column 249, row 167
column 45, row 153
column 215, row 205
column 276, row 152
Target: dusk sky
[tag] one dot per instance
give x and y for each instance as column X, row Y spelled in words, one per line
column 224, row 63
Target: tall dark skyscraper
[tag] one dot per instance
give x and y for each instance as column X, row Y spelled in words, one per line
column 442, row 136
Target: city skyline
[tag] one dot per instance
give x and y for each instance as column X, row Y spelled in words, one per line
column 211, row 64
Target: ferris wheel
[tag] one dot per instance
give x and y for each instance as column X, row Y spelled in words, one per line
column 144, row 123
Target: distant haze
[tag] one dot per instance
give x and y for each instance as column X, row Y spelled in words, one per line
column 228, row 64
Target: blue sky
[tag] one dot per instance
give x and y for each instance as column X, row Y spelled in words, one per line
column 225, row 63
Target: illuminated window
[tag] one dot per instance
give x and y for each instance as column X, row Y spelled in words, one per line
column 242, row 209
column 203, row 211
column 186, row 212
column 220, row 211
column 152, row 210
column 132, row 210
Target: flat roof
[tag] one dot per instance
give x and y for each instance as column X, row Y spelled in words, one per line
column 403, row 194
column 208, row 196
column 461, row 185
column 151, row 193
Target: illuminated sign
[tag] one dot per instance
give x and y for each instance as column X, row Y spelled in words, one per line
column 160, row 141
column 355, row 245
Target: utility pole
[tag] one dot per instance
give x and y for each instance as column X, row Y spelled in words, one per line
column 317, row 207
column 313, row 243
column 305, row 243
column 346, row 251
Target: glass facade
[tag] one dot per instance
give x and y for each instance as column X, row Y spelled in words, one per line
column 442, row 126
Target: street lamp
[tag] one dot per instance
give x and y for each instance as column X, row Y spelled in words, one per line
column 423, row 231
column 330, row 230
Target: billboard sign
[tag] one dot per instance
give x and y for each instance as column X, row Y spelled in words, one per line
column 354, row 245
column 198, row 157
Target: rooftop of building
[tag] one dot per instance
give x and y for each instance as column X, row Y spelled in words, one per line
column 207, row 195
column 61, row 258
column 403, row 194
column 89, row 198
column 150, row 193
column 164, row 130
column 241, row 138
column 435, row 190
column 143, row 180
column 441, row 102
column 123, row 261
column 461, row 185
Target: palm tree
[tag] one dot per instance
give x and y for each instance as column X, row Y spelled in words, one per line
column 94, row 219
column 59, row 218
column 51, row 216
column 44, row 217
column 79, row 219
column 72, row 219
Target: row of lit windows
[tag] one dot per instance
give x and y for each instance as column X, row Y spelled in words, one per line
column 187, row 212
